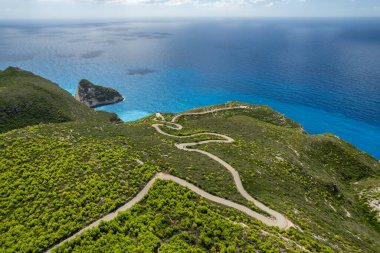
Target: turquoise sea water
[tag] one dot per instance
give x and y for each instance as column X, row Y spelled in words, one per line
column 323, row 73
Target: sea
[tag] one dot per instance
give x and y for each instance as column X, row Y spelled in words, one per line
column 323, row 73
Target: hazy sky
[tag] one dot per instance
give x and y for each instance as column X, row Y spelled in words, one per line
column 74, row 9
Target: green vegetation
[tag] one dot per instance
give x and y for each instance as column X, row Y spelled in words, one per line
column 51, row 185
column 309, row 178
column 174, row 219
column 65, row 165
column 369, row 192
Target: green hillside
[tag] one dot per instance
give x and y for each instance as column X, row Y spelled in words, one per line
column 56, row 178
column 174, row 219
column 27, row 99
column 314, row 179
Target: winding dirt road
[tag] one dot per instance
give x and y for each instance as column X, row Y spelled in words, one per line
column 277, row 219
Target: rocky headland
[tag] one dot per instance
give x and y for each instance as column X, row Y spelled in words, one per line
column 95, row 95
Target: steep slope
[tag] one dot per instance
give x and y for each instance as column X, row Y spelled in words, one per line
column 27, row 99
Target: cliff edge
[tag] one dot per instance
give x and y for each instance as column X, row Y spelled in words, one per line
column 94, row 95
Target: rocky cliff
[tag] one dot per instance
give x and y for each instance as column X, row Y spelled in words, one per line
column 94, row 95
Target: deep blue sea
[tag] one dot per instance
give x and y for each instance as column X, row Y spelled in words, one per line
column 323, row 73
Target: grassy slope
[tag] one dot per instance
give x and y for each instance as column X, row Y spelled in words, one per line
column 27, row 99
column 57, row 177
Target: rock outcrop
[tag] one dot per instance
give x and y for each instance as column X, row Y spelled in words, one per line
column 94, row 95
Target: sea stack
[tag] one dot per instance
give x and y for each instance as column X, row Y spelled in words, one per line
column 94, row 95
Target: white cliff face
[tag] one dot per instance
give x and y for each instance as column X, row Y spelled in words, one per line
column 94, row 95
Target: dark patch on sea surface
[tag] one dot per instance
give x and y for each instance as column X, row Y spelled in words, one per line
column 142, row 71
column 16, row 57
column 65, row 55
column 109, row 42
column 78, row 40
column 129, row 39
column 92, row 54
column 143, row 35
